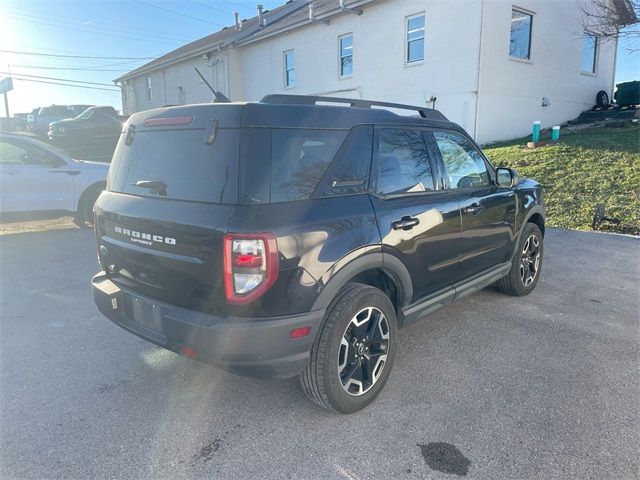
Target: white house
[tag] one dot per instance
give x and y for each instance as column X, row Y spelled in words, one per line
column 493, row 66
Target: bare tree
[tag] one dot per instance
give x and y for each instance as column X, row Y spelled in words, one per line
column 613, row 19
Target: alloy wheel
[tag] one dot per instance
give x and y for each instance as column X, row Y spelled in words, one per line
column 530, row 260
column 363, row 351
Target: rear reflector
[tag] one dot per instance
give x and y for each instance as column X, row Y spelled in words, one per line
column 300, row 332
column 164, row 121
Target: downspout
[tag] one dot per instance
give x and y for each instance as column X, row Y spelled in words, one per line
column 478, row 76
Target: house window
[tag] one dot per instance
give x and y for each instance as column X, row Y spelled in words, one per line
column 520, row 40
column 589, row 52
column 147, row 87
column 289, row 69
column 346, row 55
column 415, row 38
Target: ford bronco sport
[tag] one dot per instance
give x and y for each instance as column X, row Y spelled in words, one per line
column 295, row 236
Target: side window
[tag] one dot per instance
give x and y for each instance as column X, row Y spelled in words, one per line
column 299, row 159
column 589, row 53
column 12, row 154
column 464, row 166
column 403, row 164
column 147, row 89
column 348, row 174
column 415, row 38
column 520, row 38
column 346, row 55
column 289, row 69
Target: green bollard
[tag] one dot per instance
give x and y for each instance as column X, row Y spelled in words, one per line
column 555, row 133
column 535, row 133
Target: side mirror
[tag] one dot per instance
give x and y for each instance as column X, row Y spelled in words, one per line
column 506, row 177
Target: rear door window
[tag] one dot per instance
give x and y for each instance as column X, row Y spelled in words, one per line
column 299, row 159
column 181, row 159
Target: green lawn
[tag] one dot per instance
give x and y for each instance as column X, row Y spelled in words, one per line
column 588, row 167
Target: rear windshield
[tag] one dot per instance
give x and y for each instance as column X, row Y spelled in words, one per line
column 181, row 162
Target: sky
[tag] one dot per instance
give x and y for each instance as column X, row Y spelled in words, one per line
column 60, row 39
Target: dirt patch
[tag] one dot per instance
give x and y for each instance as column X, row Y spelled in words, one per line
column 13, row 223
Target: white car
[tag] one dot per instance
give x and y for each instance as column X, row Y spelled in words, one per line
column 35, row 176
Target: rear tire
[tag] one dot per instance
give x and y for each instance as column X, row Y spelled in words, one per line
column 353, row 353
column 526, row 264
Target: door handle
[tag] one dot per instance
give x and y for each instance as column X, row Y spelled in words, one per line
column 405, row 223
column 10, row 172
column 474, row 209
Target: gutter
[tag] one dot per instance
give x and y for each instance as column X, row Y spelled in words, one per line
column 303, row 22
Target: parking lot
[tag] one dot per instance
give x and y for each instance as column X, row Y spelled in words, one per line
column 492, row 387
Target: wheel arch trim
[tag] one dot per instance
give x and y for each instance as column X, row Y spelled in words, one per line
column 390, row 265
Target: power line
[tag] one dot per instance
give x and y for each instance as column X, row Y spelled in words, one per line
column 67, row 84
column 54, row 78
column 177, row 13
column 64, row 23
column 208, row 6
column 112, row 35
column 66, row 19
column 75, row 56
column 43, row 67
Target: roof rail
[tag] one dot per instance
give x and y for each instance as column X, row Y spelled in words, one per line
column 283, row 99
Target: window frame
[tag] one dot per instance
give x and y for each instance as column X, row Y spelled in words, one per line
column 435, row 169
column 442, row 169
column 408, row 62
column 528, row 58
column 341, row 74
column 596, row 54
column 286, row 70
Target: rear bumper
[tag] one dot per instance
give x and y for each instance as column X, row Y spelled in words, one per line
column 257, row 347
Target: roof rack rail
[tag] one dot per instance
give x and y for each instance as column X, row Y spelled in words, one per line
column 283, row 99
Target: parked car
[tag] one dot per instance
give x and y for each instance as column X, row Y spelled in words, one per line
column 35, row 176
column 40, row 120
column 92, row 134
column 287, row 238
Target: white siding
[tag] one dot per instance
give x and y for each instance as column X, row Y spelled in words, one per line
column 476, row 83
column 179, row 84
column 379, row 70
column 511, row 91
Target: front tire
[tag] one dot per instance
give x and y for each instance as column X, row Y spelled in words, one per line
column 526, row 264
column 353, row 353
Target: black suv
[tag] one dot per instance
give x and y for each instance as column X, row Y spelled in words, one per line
column 295, row 236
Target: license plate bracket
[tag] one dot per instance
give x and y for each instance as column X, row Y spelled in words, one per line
column 147, row 314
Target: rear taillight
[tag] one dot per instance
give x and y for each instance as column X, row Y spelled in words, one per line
column 250, row 265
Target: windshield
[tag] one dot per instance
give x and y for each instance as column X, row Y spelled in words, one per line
column 88, row 113
column 188, row 167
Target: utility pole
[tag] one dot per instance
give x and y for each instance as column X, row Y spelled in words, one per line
column 6, row 105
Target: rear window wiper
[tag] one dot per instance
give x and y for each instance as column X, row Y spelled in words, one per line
column 157, row 186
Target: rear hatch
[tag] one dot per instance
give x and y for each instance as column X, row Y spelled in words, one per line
column 171, row 189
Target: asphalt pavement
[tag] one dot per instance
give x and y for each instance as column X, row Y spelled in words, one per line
column 493, row 387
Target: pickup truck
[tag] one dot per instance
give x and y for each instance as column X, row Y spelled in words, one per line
column 91, row 135
column 39, row 119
